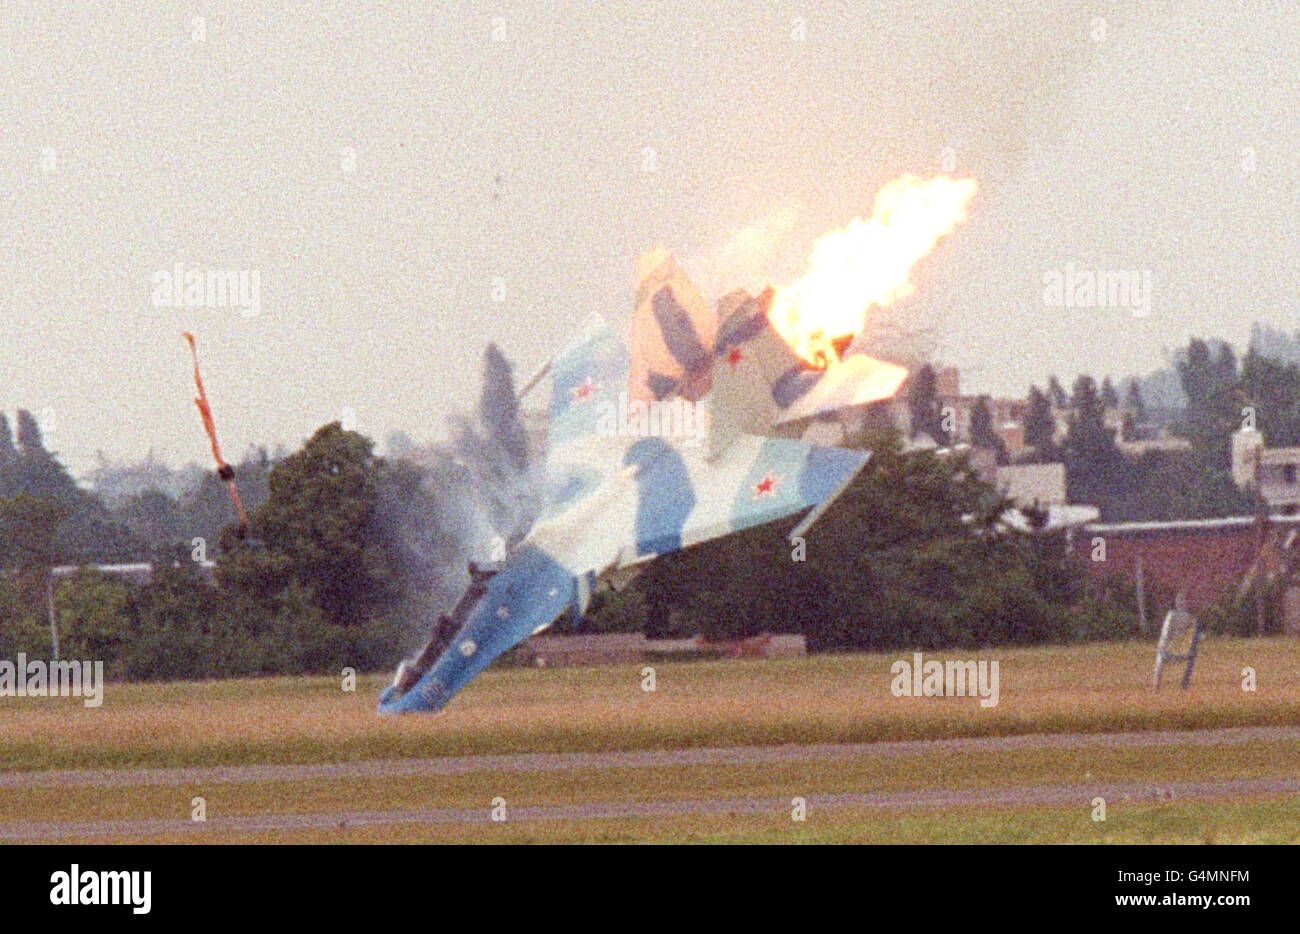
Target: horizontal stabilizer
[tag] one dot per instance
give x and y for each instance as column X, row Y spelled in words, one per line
column 855, row 380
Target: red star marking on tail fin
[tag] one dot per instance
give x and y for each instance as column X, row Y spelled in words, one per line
column 734, row 357
column 583, row 390
column 766, row 486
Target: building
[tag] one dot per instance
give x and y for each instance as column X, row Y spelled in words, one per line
column 137, row 573
column 1032, row 484
column 1205, row 559
column 1273, row 472
column 1006, row 415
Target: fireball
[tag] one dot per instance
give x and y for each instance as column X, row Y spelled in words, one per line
column 867, row 264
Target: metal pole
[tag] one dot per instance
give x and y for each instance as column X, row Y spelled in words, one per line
column 54, row 630
column 536, row 378
column 1142, row 598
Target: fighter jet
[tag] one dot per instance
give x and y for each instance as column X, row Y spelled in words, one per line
column 690, row 431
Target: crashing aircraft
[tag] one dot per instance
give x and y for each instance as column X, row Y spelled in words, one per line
column 689, row 432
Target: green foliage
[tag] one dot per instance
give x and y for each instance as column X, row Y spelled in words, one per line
column 315, row 532
column 93, row 615
column 1136, row 403
column 1215, row 398
column 1163, row 486
column 1056, row 393
column 23, row 627
column 185, row 629
column 1039, row 426
column 28, row 526
column 1272, row 389
column 45, row 518
column 1093, row 464
column 616, row 611
column 923, row 404
column 1109, row 397
column 982, row 433
column 911, row 555
column 1095, row 618
column 207, row 511
column 1253, row 613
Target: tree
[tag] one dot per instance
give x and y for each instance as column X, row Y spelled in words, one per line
column 155, row 517
column 8, row 453
column 1056, row 393
column 184, row 628
column 28, row 526
column 316, row 532
column 29, row 434
column 1040, row 427
column 1092, row 461
column 1196, row 373
column 1225, row 365
column 1214, row 400
column 1165, row 486
column 93, row 616
column 207, row 510
column 923, row 405
column 37, row 472
column 913, row 555
column 1271, row 389
column 982, row 433
column 981, row 424
column 1135, row 402
column 1109, row 397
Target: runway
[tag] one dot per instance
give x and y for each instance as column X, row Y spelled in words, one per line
column 1021, row 795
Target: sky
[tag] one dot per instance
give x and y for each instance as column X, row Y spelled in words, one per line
column 408, row 181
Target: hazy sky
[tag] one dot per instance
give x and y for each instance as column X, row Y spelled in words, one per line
column 384, row 168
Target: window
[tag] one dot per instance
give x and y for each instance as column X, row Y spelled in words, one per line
column 1288, row 473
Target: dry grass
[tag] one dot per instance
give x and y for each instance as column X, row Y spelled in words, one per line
column 1096, row 688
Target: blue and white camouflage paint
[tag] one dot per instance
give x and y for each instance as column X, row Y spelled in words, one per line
column 614, row 500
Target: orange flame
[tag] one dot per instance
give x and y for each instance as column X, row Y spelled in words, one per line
column 867, row 263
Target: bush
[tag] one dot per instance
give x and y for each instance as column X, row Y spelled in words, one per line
column 1233, row 616
column 1095, row 619
column 615, row 611
column 92, row 610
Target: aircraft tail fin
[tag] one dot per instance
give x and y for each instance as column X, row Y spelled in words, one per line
column 761, row 387
column 673, row 333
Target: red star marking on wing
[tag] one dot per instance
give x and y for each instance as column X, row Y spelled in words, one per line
column 734, row 356
column 583, row 391
column 766, row 486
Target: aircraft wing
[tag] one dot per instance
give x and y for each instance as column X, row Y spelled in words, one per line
column 666, row 497
column 685, row 497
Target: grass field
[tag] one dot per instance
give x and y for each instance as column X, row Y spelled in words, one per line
column 825, row 699
column 1249, row 822
column 838, row 699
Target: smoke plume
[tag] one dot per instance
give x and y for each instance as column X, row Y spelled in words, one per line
column 469, row 500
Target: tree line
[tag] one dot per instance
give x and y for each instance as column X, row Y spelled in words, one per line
column 334, row 570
